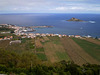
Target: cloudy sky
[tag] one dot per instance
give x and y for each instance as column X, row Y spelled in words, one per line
column 49, row 6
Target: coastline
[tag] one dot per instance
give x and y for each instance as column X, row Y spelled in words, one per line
column 22, row 31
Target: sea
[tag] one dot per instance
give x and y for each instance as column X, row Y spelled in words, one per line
column 91, row 26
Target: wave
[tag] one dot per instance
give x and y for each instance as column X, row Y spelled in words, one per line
column 92, row 22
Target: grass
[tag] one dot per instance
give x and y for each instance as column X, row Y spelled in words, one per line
column 44, row 42
column 6, row 35
column 6, row 29
column 25, row 39
column 62, row 55
column 91, row 48
column 25, row 46
column 54, row 50
column 55, row 39
column 40, row 49
column 42, row 56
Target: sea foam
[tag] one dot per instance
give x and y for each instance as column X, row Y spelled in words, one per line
column 92, row 22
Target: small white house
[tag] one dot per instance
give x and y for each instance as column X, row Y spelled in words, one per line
column 15, row 42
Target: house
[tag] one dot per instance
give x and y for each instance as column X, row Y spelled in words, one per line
column 23, row 36
column 1, row 38
column 15, row 42
column 43, row 34
column 60, row 35
column 98, row 38
column 47, row 34
column 11, row 37
column 64, row 35
column 5, row 38
column 77, row 36
column 71, row 35
column 37, row 34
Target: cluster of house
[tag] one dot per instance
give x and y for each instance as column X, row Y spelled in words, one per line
column 33, row 35
column 19, row 31
column 78, row 36
column 6, row 38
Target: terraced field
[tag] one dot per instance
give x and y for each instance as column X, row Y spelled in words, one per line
column 95, row 41
column 76, row 53
column 54, row 50
column 89, row 47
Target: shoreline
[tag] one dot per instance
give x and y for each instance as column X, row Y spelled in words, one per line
column 18, row 30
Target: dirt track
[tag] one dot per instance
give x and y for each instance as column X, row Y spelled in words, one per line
column 76, row 53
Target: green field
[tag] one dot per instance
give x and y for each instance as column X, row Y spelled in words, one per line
column 40, row 49
column 54, row 50
column 42, row 56
column 91, row 48
column 55, row 39
column 62, row 56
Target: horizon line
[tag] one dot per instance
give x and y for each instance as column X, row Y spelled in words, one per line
column 48, row 13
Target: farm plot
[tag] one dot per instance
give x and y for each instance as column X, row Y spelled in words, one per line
column 91, row 48
column 38, row 44
column 55, row 40
column 42, row 56
column 46, row 38
column 40, row 49
column 4, row 43
column 93, row 41
column 26, row 45
column 55, row 52
column 76, row 53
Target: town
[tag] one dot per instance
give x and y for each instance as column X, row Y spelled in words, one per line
column 22, row 49
column 22, row 31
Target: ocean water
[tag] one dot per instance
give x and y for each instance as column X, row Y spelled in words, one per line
column 58, row 21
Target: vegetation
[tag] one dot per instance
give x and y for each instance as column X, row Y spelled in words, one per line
column 77, row 53
column 6, row 29
column 55, row 40
column 54, row 50
column 91, row 48
column 46, row 56
column 40, row 49
column 61, row 68
column 62, row 55
column 42, row 56
column 4, row 35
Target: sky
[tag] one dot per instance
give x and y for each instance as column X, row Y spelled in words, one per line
column 49, row 6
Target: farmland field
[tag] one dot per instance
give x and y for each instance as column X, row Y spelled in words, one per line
column 40, row 49
column 76, row 53
column 42, row 56
column 26, row 45
column 62, row 55
column 91, row 48
column 55, row 51
column 95, row 41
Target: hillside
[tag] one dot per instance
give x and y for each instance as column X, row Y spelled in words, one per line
column 48, row 51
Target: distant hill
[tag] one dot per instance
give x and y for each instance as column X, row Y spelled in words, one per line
column 75, row 19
